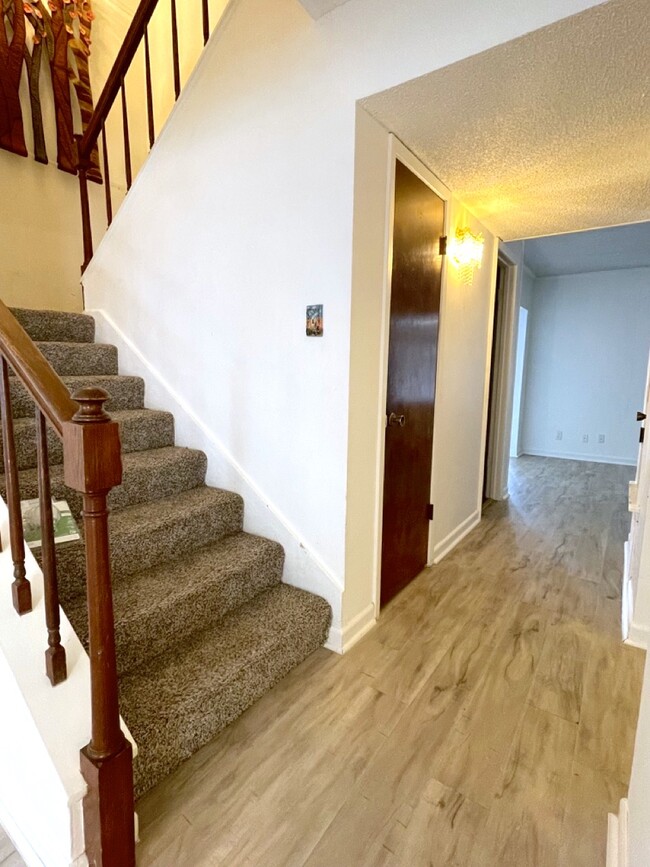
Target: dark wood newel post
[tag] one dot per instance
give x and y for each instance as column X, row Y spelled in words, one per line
column 93, row 465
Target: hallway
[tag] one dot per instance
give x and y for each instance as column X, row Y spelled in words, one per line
column 487, row 720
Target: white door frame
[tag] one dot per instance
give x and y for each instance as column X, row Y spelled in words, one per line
column 505, row 335
column 397, row 151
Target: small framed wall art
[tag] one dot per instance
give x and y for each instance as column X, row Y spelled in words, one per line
column 315, row 320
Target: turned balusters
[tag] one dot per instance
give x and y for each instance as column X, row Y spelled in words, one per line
column 21, row 589
column 55, row 661
column 115, row 86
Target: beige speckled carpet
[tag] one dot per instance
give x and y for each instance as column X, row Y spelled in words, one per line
column 204, row 624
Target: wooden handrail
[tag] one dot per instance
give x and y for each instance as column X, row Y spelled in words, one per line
column 113, row 85
column 35, row 372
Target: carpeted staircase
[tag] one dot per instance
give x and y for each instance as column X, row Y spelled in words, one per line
column 204, row 624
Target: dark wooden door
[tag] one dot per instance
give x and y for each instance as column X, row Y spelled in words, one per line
column 413, row 346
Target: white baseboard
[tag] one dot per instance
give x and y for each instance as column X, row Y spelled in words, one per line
column 303, row 566
column 442, row 548
column 342, row 640
column 638, row 636
column 617, row 837
column 575, row 456
column 634, row 634
column 627, row 600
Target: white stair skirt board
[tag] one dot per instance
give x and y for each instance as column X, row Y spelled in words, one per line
column 617, row 853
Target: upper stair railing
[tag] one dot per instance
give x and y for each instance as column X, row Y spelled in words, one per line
column 136, row 36
column 92, row 465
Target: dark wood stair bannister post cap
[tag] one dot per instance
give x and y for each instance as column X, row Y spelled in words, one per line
column 91, row 433
column 91, row 402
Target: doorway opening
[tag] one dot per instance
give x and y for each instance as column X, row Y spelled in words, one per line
column 518, row 395
column 499, row 404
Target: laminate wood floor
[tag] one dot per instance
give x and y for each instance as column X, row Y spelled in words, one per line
column 488, row 720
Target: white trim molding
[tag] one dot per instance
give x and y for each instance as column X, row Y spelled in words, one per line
column 452, row 539
column 633, row 634
column 617, row 837
column 504, row 337
column 341, row 640
column 638, row 636
column 576, row 456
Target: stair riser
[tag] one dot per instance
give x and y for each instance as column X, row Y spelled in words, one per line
column 178, row 741
column 125, row 393
column 49, row 325
column 136, row 435
column 81, row 359
column 161, row 629
column 146, row 547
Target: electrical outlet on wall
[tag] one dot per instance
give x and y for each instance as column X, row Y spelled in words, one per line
column 585, row 438
column 558, row 435
column 601, row 438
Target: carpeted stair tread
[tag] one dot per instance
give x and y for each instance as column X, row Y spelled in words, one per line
column 126, row 392
column 157, row 608
column 55, row 325
column 140, row 429
column 145, row 535
column 146, row 476
column 80, row 359
column 177, row 703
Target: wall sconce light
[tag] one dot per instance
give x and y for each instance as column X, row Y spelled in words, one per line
column 466, row 252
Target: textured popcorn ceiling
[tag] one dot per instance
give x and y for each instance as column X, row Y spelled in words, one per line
column 548, row 133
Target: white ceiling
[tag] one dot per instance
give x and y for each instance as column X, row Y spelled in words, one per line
column 598, row 250
column 547, row 133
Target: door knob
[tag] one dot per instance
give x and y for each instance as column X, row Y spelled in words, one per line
column 396, row 420
column 640, row 416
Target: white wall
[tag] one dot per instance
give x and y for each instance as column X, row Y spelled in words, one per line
column 527, row 286
column 589, row 336
column 40, row 218
column 243, row 215
column 40, row 221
